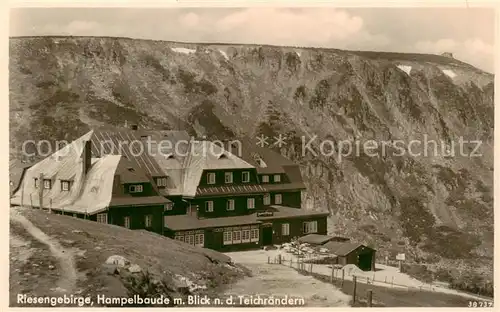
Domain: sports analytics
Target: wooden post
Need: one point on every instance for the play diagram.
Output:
(370, 293)
(353, 288)
(311, 268)
(41, 185)
(22, 192)
(279, 259)
(268, 260)
(343, 276)
(331, 277)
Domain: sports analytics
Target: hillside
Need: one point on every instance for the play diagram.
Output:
(437, 208)
(69, 256)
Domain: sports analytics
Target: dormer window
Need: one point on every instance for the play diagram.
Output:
(65, 185)
(265, 179)
(135, 188)
(245, 177)
(277, 178)
(47, 184)
(211, 178)
(228, 177)
(161, 182)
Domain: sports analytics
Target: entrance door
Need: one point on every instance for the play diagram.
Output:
(365, 261)
(267, 236)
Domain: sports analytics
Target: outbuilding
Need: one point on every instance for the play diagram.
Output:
(353, 253)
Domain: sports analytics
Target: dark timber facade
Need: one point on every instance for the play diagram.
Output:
(202, 194)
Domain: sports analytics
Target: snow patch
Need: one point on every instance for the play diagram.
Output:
(183, 50)
(405, 68)
(449, 73)
(224, 54)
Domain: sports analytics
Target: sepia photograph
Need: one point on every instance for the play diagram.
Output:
(251, 156)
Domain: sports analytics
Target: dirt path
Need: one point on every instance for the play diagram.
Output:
(280, 281)
(67, 281)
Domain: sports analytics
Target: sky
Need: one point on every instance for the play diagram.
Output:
(466, 32)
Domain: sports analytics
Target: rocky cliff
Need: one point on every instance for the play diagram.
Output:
(433, 202)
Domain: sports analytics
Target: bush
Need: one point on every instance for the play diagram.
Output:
(473, 283)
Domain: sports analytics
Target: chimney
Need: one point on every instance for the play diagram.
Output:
(87, 156)
(134, 127)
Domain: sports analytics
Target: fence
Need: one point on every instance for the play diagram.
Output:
(338, 277)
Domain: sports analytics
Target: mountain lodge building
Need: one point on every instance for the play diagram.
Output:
(198, 192)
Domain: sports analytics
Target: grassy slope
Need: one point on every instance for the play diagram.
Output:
(161, 256)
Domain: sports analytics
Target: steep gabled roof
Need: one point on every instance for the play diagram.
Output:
(88, 194)
(274, 161)
(127, 143)
(204, 155)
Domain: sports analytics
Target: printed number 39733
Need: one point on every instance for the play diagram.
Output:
(480, 304)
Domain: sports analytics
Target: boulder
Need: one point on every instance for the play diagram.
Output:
(134, 268)
(117, 260)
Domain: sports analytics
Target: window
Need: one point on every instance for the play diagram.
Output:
(211, 178)
(265, 179)
(245, 177)
(36, 182)
(209, 206)
(47, 184)
(168, 206)
(126, 222)
(236, 237)
(228, 177)
(310, 227)
(102, 218)
(277, 199)
(228, 238)
(245, 236)
(161, 182)
(190, 239)
(65, 185)
(199, 240)
(179, 238)
(254, 235)
(230, 204)
(285, 229)
(277, 178)
(250, 203)
(148, 221)
(135, 188)
(267, 199)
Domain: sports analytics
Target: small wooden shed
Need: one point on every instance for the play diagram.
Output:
(353, 253)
